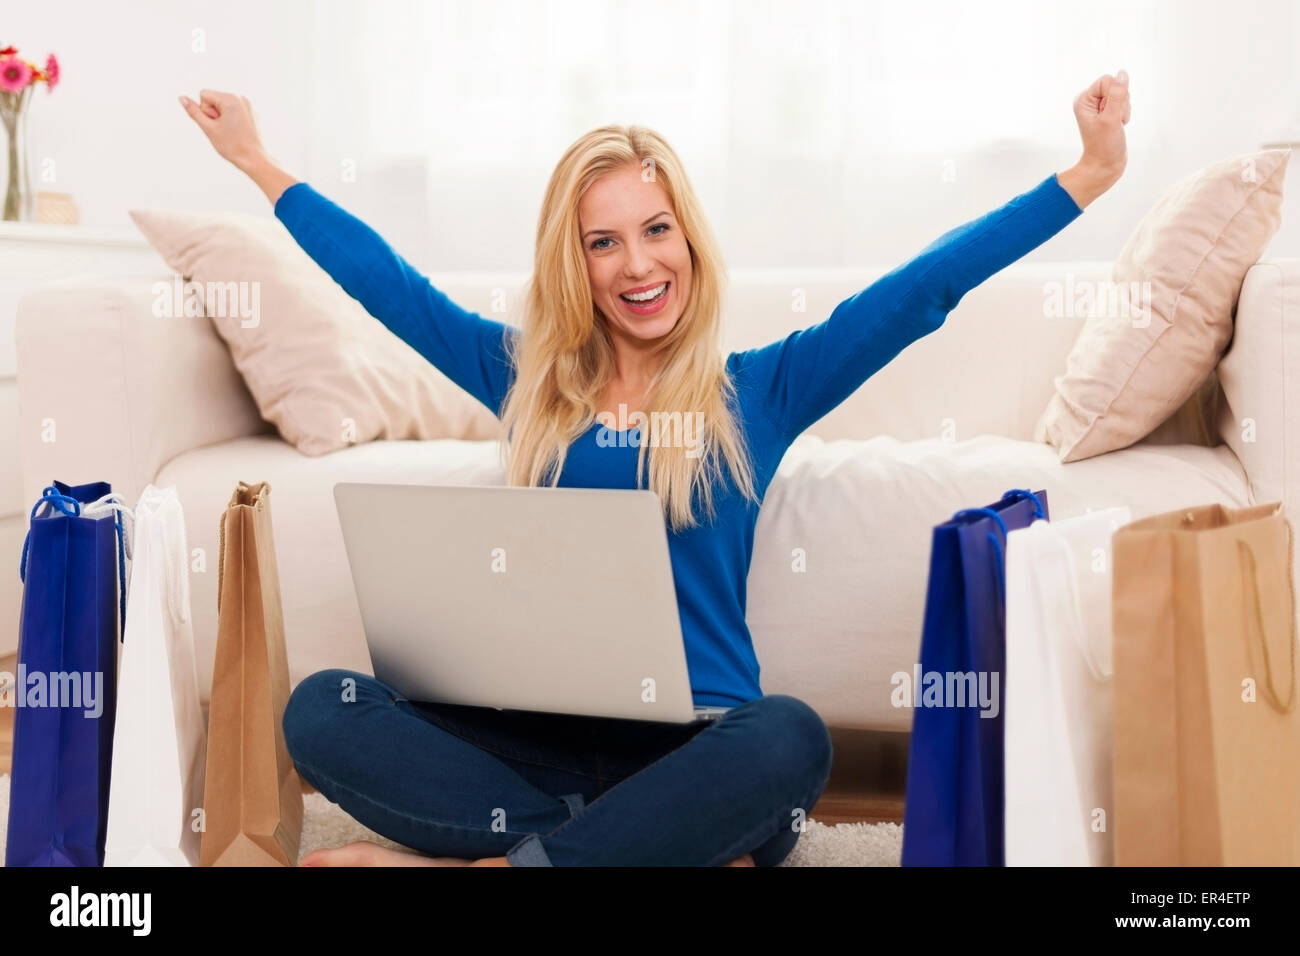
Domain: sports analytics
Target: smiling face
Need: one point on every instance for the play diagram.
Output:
(635, 250)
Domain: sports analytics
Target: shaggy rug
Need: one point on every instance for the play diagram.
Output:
(845, 844)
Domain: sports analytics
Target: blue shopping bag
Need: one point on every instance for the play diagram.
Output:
(953, 815)
(74, 592)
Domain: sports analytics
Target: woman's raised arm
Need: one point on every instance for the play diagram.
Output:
(800, 378)
(464, 346)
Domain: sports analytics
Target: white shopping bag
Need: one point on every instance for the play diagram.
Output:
(1058, 684)
(159, 741)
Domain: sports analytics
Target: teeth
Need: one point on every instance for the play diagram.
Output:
(647, 296)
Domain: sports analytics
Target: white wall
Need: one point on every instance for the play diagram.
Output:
(1213, 79)
(1219, 79)
(113, 126)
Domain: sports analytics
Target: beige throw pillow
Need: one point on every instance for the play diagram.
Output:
(1133, 368)
(324, 371)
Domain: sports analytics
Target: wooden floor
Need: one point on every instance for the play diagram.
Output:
(866, 785)
(8, 665)
(868, 778)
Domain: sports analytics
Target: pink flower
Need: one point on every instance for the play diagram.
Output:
(14, 74)
(51, 71)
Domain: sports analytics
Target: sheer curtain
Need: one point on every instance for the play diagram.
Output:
(817, 132)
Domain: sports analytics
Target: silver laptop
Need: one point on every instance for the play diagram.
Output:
(542, 599)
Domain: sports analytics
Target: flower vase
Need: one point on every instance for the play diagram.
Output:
(19, 197)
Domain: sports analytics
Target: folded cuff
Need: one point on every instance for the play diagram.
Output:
(529, 851)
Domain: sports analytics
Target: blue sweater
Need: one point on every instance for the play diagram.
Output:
(782, 388)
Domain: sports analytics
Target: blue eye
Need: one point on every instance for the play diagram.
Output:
(597, 244)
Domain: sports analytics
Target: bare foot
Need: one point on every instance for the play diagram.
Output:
(746, 860)
(365, 853)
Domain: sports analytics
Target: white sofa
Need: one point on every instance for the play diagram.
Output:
(947, 425)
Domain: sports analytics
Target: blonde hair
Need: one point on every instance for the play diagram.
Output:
(564, 358)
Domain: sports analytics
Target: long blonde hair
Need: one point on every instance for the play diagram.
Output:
(564, 358)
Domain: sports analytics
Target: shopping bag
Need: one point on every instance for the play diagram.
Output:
(953, 810)
(73, 568)
(1058, 691)
(252, 796)
(159, 743)
(1207, 729)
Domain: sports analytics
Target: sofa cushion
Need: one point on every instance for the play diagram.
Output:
(321, 368)
(864, 514)
(321, 618)
(863, 511)
(1134, 366)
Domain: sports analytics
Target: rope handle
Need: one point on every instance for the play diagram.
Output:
(221, 553)
(1243, 550)
(154, 500)
(52, 498)
(997, 546)
(103, 505)
(178, 591)
(1014, 494)
(1076, 613)
(1018, 493)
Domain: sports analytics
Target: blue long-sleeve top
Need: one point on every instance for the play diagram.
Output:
(781, 388)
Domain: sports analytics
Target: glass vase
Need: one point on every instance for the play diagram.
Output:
(20, 199)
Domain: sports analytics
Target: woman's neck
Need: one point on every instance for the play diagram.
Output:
(635, 366)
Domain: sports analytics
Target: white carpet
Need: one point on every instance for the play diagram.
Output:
(845, 844)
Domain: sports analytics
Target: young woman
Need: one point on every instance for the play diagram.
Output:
(624, 311)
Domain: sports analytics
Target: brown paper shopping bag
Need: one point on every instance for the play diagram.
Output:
(1207, 728)
(252, 798)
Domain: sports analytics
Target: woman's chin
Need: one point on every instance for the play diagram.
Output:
(648, 328)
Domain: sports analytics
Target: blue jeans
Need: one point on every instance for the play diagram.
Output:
(560, 789)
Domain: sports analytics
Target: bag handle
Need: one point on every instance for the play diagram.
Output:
(997, 548)
(1018, 493)
(176, 564)
(53, 499)
(1244, 549)
(221, 555)
(101, 506)
(178, 591)
(240, 491)
(1000, 560)
(1076, 614)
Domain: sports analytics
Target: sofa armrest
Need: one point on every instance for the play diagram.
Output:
(1259, 411)
(1259, 414)
(110, 391)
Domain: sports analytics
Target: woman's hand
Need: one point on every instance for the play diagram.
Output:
(228, 122)
(1101, 112)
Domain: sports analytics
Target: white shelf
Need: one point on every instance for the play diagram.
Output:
(121, 236)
